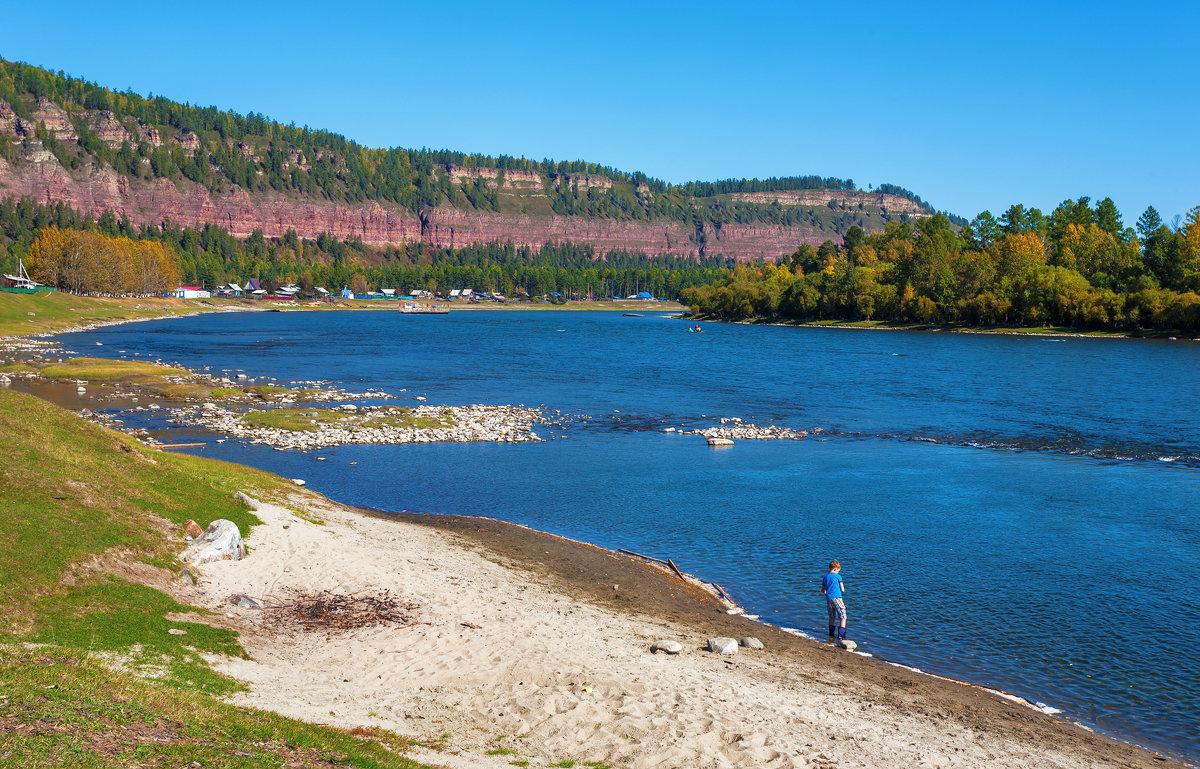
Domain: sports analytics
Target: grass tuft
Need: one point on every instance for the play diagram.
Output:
(105, 370)
(302, 419)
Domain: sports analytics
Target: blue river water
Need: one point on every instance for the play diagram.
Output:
(1045, 541)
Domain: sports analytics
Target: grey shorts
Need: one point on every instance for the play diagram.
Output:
(837, 610)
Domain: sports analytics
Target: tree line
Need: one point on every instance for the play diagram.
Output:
(1078, 266)
(79, 253)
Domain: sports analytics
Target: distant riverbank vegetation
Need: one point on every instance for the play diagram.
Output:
(1080, 266)
(149, 138)
(111, 256)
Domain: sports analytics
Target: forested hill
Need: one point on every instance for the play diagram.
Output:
(153, 159)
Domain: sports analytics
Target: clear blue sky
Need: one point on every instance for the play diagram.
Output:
(971, 105)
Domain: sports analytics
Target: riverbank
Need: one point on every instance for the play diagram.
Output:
(530, 647)
(872, 325)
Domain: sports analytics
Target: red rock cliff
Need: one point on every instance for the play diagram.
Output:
(37, 173)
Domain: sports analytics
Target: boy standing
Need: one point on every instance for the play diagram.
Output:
(834, 588)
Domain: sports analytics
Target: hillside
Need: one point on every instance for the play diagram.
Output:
(152, 159)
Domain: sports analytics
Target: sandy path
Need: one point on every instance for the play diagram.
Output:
(518, 680)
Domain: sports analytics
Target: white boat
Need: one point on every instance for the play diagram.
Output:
(412, 307)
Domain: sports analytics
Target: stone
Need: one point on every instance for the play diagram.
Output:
(847, 644)
(719, 442)
(250, 501)
(722, 645)
(750, 642)
(192, 529)
(31, 314)
(177, 631)
(185, 576)
(221, 541)
(243, 601)
(668, 647)
(298, 481)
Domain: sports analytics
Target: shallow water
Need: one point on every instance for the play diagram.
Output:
(1047, 544)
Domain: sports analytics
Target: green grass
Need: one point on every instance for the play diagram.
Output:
(564, 764)
(73, 490)
(64, 708)
(56, 311)
(301, 420)
(104, 370)
(14, 368)
(265, 391)
(519, 762)
(500, 752)
(182, 391)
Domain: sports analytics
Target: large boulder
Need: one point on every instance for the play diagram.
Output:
(723, 645)
(221, 541)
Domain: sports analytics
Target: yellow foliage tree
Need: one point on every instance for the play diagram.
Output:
(90, 263)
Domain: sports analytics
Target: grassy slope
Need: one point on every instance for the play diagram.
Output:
(56, 311)
(74, 492)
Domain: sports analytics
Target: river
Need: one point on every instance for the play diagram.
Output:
(1013, 511)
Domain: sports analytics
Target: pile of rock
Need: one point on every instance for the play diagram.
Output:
(752, 432)
(369, 425)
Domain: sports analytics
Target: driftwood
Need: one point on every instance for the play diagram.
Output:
(328, 611)
(675, 569)
(639, 555)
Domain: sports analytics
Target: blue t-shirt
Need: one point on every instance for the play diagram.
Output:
(833, 585)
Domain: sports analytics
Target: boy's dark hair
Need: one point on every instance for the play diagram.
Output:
(834, 564)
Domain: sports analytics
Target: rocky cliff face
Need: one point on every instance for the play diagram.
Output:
(95, 190)
(35, 172)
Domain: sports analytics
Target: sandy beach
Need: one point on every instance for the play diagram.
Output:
(529, 647)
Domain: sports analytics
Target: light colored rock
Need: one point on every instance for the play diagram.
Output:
(221, 541)
(668, 647)
(750, 642)
(243, 601)
(250, 501)
(298, 481)
(177, 631)
(722, 645)
(719, 442)
(847, 644)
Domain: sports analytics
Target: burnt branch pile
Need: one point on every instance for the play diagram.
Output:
(327, 611)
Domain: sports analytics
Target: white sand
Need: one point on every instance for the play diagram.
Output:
(518, 681)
